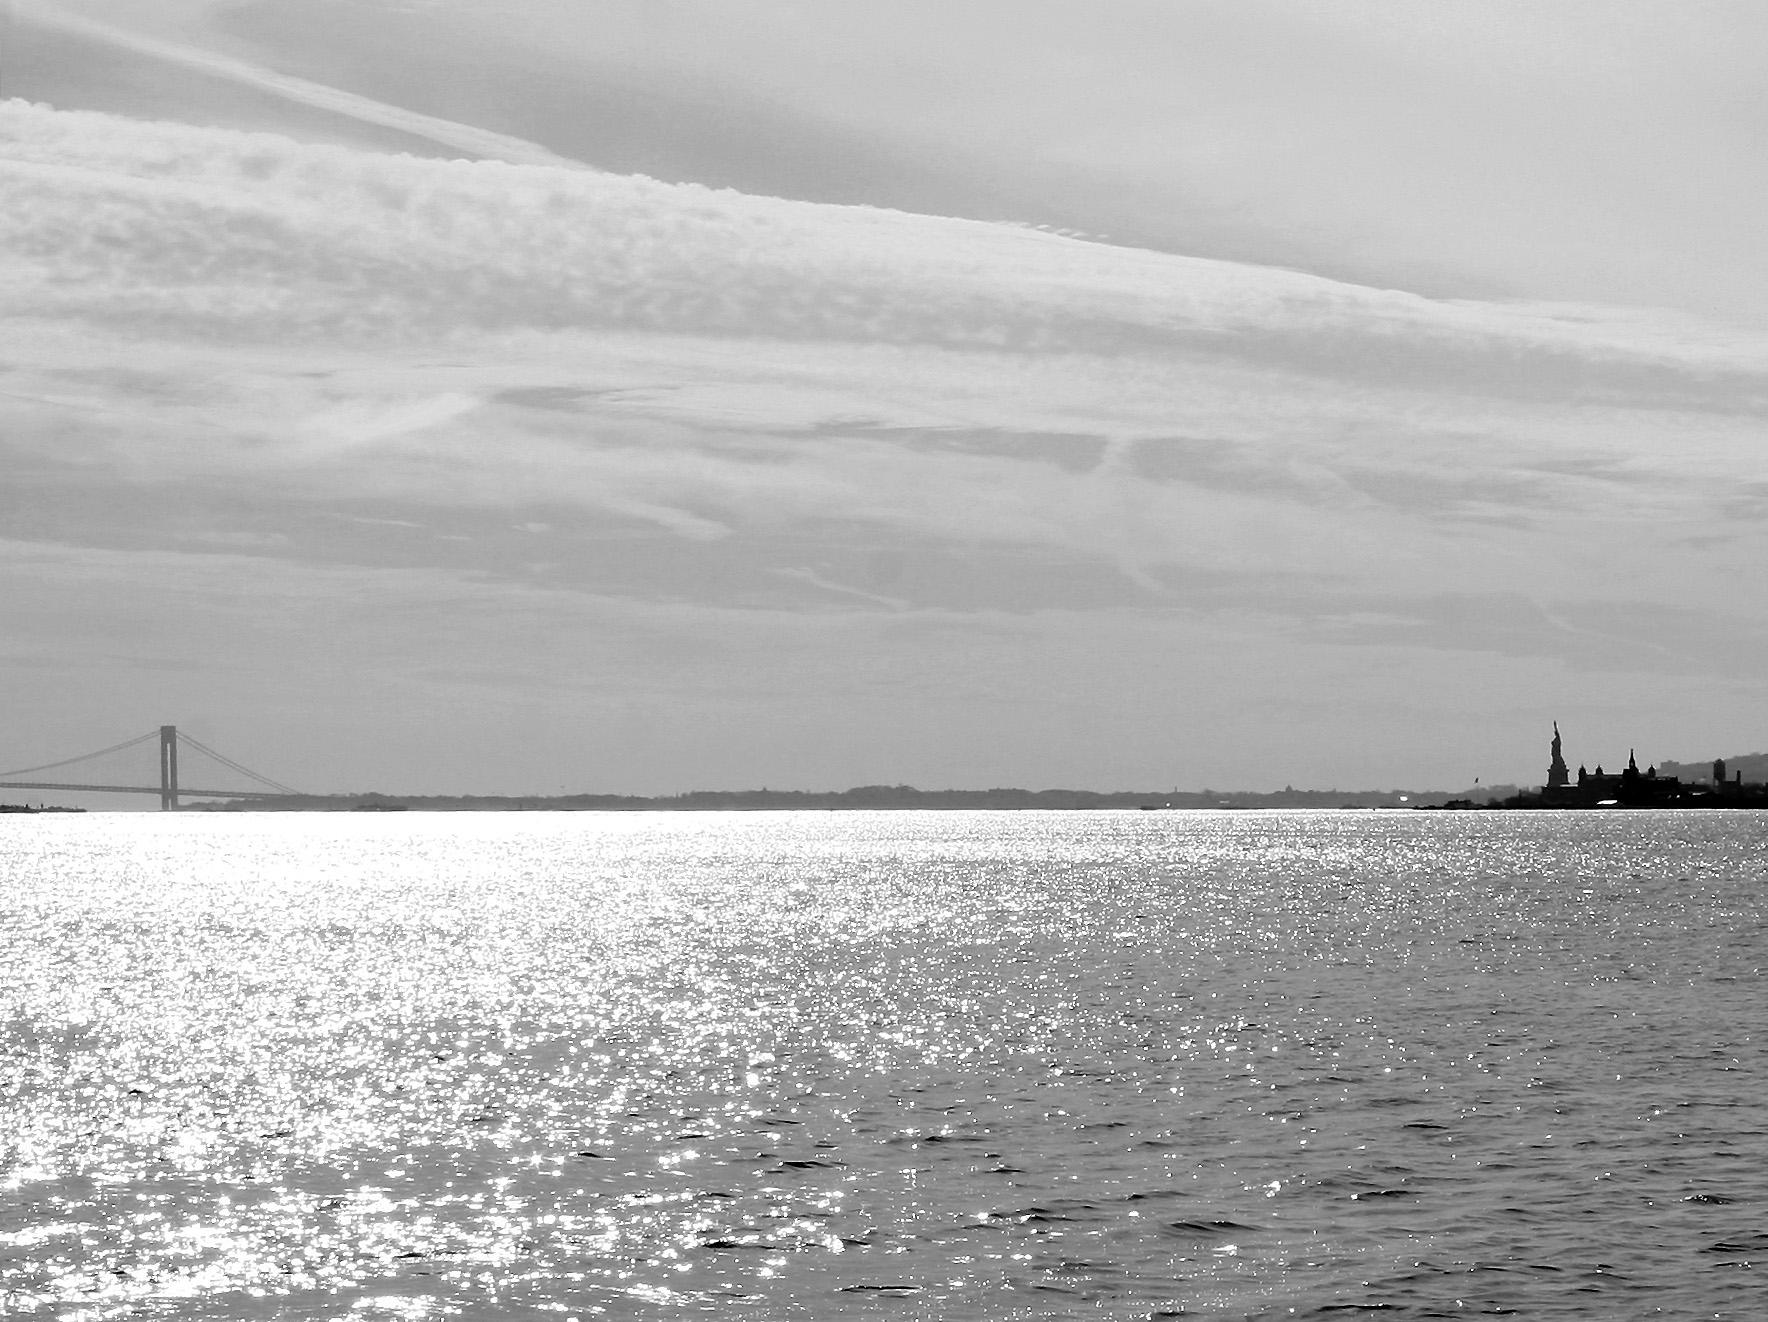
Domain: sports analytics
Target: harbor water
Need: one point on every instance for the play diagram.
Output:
(883, 1065)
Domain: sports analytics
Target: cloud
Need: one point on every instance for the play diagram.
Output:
(359, 422)
(1460, 147)
(187, 230)
(735, 367)
(234, 359)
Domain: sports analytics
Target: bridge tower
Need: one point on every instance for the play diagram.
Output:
(168, 768)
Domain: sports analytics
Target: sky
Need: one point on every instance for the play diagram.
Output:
(650, 395)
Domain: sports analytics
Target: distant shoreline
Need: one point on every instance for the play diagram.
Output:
(907, 799)
(1501, 799)
(871, 798)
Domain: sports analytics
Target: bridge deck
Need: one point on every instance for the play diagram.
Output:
(183, 791)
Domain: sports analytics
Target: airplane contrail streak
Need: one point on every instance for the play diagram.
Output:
(447, 133)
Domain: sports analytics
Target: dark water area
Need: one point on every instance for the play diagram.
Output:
(895, 1065)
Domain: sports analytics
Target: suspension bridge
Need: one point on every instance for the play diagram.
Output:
(168, 789)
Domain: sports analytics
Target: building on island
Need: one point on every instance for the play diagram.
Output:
(1633, 788)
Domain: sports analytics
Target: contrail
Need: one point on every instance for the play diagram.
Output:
(445, 132)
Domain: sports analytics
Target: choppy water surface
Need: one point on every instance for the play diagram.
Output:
(883, 1065)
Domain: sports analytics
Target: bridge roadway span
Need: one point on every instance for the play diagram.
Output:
(182, 791)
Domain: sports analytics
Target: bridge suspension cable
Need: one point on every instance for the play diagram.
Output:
(226, 761)
(83, 757)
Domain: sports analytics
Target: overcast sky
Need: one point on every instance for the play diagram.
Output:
(645, 395)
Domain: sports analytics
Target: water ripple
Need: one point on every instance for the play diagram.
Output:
(907, 1065)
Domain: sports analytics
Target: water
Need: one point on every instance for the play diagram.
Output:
(909, 1065)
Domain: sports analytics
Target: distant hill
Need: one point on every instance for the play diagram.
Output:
(865, 797)
(1753, 765)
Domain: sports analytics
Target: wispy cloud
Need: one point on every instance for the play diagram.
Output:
(739, 415)
(260, 235)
